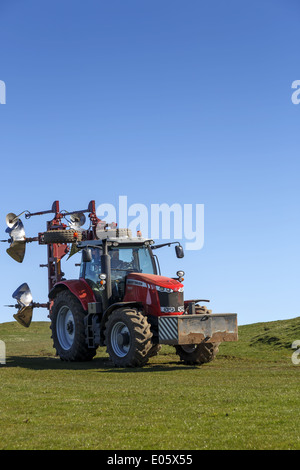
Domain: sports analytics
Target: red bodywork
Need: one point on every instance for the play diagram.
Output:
(56, 251)
(81, 290)
(142, 288)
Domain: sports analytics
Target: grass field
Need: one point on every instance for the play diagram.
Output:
(248, 398)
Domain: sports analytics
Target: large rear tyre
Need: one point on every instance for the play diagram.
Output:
(128, 338)
(197, 353)
(68, 329)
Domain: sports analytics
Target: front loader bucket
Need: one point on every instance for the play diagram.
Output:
(194, 329)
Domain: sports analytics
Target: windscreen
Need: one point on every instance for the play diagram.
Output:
(131, 259)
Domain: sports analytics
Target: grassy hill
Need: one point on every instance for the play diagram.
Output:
(247, 398)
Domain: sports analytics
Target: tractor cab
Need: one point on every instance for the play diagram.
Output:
(125, 258)
(114, 267)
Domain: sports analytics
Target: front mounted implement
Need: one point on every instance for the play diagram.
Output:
(193, 329)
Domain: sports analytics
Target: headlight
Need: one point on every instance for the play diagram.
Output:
(167, 309)
(180, 273)
(164, 289)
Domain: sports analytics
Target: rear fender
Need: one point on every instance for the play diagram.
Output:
(79, 288)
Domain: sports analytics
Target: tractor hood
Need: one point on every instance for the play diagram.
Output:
(149, 280)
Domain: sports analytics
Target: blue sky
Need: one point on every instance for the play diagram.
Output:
(164, 102)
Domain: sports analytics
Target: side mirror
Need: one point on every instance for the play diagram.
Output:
(86, 255)
(179, 251)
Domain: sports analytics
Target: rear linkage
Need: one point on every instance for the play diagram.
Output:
(58, 237)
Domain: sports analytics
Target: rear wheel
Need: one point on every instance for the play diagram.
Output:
(68, 329)
(128, 338)
(197, 353)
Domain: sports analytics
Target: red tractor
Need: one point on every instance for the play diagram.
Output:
(120, 300)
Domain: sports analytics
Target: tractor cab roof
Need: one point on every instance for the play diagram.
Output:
(115, 237)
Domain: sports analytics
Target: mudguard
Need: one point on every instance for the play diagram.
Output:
(79, 287)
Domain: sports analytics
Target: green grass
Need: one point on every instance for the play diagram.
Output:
(248, 398)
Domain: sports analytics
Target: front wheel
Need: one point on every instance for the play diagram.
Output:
(68, 329)
(128, 338)
(197, 353)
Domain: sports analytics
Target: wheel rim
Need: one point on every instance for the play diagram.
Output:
(120, 339)
(65, 327)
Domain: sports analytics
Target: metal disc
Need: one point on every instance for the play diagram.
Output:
(11, 219)
(77, 220)
(17, 250)
(73, 251)
(17, 232)
(24, 316)
(23, 295)
(17, 247)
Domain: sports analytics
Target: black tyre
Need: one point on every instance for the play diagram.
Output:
(128, 338)
(202, 310)
(68, 329)
(62, 236)
(197, 353)
(154, 350)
